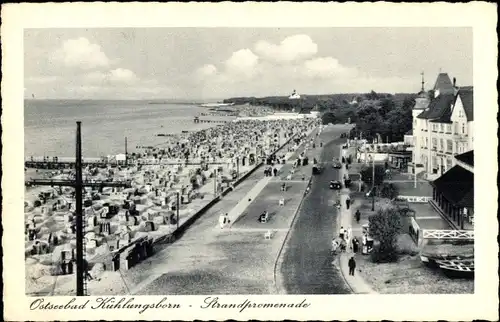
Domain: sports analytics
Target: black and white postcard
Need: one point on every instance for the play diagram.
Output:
(265, 161)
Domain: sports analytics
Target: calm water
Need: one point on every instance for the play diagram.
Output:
(50, 125)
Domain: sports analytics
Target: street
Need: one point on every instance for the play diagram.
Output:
(307, 264)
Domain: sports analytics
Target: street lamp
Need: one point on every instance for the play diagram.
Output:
(178, 206)
(373, 183)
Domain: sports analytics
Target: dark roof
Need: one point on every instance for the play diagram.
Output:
(439, 108)
(457, 186)
(467, 96)
(467, 157)
(443, 83)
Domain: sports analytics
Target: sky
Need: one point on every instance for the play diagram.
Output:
(218, 63)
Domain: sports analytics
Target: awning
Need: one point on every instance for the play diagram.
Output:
(457, 186)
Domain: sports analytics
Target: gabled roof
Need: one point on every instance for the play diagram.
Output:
(467, 96)
(467, 157)
(457, 186)
(443, 83)
(439, 108)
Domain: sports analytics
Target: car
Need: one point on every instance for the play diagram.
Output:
(317, 169)
(337, 165)
(336, 185)
(343, 135)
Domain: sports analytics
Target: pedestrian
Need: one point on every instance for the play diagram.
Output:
(334, 245)
(358, 216)
(275, 171)
(63, 267)
(342, 232)
(352, 266)
(355, 245)
(347, 202)
(223, 220)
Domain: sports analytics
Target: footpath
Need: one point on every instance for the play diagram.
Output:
(356, 282)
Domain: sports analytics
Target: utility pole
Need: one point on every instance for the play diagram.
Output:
(215, 182)
(78, 185)
(80, 277)
(415, 176)
(178, 206)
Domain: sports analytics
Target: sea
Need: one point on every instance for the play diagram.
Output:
(50, 125)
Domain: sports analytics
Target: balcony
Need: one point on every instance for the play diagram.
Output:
(460, 137)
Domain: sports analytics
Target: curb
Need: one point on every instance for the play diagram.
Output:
(279, 258)
(339, 267)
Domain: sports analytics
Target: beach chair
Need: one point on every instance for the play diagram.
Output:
(282, 202)
(268, 234)
(289, 177)
(264, 218)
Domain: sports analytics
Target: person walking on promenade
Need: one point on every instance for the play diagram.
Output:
(347, 202)
(335, 245)
(352, 266)
(358, 216)
(223, 220)
(355, 245)
(342, 232)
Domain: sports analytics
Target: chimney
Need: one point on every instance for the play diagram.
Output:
(454, 82)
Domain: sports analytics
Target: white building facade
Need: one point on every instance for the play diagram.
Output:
(443, 126)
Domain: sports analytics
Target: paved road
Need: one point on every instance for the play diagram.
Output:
(307, 267)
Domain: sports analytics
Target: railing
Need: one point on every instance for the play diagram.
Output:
(448, 234)
(460, 136)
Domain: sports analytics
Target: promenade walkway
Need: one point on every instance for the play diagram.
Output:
(356, 282)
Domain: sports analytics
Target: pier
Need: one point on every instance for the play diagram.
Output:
(69, 162)
(66, 162)
(86, 183)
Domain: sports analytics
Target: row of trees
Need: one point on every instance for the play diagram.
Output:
(387, 117)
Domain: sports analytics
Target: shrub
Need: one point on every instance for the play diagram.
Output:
(37, 203)
(388, 190)
(385, 226)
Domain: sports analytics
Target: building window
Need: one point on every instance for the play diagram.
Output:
(448, 128)
(434, 143)
(449, 163)
(426, 142)
(441, 127)
(441, 144)
(463, 128)
(456, 128)
(449, 146)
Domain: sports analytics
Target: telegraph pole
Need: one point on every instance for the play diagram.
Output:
(126, 152)
(373, 183)
(79, 214)
(78, 184)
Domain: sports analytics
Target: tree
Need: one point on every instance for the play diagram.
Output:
(388, 190)
(372, 95)
(384, 227)
(386, 105)
(366, 174)
(328, 118)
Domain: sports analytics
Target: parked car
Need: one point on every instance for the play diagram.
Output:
(336, 185)
(343, 135)
(337, 165)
